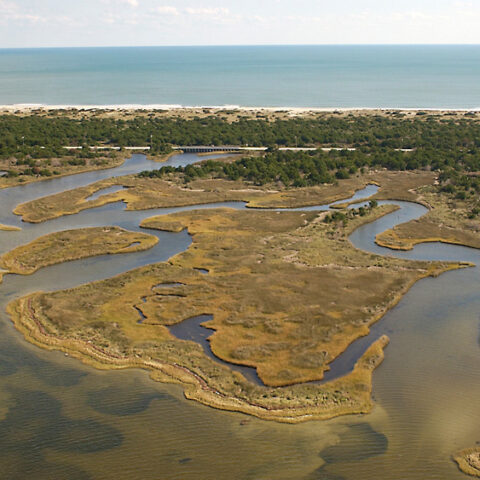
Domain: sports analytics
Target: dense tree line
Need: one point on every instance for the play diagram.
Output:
(462, 186)
(450, 144)
(300, 169)
(45, 136)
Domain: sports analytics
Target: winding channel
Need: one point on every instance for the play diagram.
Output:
(97, 268)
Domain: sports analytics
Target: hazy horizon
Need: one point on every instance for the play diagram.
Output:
(101, 23)
(253, 45)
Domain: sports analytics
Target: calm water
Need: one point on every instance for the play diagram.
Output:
(301, 76)
(59, 419)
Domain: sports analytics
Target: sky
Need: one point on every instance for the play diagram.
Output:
(77, 23)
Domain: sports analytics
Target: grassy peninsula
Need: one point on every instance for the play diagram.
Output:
(69, 245)
(449, 220)
(9, 228)
(143, 192)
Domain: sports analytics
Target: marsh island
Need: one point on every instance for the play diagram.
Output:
(270, 268)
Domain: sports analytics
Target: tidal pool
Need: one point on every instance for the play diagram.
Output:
(61, 419)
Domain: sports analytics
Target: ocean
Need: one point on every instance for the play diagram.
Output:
(443, 77)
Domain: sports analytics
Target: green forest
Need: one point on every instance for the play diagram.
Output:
(300, 169)
(440, 142)
(28, 133)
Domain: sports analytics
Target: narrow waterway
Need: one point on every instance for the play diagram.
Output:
(60, 419)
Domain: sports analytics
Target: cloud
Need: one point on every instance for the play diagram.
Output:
(11, 12)
(208, 12)
(167, 10)
(7, 7)
(28, 18)
(217, 15)
(461, 4)
(260, 19)
(132, 3)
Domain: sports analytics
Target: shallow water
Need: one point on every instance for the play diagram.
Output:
(61, 419)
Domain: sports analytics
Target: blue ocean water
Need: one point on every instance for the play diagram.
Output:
(293, 76)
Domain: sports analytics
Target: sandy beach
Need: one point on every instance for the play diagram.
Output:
(230, 112)
(26, 107)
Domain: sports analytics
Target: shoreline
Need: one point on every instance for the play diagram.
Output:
(195, 386)
(14, 261)
(31, 107)
(161, 158)
(65, 174)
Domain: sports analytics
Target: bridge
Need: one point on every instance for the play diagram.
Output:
(229, 148)
(237, 148)
(210, 149)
